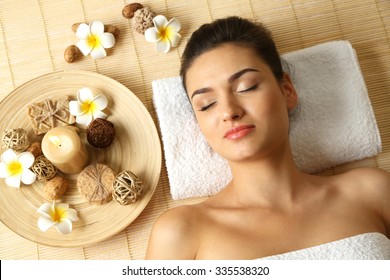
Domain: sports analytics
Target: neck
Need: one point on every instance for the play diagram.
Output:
(273, 180)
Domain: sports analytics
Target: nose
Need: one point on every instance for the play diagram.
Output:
(231, 109)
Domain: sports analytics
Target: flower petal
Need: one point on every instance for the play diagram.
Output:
(100, 101)
(45, 223)
(75, 108)
(98, 52)
(64, 227)
(9, 156)
(107, 40)
(84, 47)
(85, 95)
(45, 209)
(174, 24)
(26, 159)
(82, 31)
(163, 46)
(160, 22)
(174, 39)
(96, 27)
(28, 177)
(3, 170)
(13, 181)
(152, 35)
(84, 119)
(72, 215)
(99, 114)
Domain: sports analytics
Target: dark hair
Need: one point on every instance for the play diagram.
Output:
(233, 30)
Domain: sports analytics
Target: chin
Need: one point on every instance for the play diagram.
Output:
(241, 155)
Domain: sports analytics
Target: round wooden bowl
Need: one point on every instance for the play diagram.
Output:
(136, 148)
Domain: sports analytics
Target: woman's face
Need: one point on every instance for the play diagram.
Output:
(241, 108)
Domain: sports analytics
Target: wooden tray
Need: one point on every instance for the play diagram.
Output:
(136, 148)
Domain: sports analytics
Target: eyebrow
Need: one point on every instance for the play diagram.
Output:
(231, 79)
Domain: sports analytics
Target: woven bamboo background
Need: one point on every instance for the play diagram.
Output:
(35, 33)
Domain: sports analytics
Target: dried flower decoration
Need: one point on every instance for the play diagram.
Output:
(58, 215)
(143, 19)
(88, 107)
(93, 40)
(15, 168)
(164, 33)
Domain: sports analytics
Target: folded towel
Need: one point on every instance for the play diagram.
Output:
(366, 246)
(334, 123)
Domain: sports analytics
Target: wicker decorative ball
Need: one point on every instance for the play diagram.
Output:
(16, 139)
(43, 168)
(127, 188)
(100, 133)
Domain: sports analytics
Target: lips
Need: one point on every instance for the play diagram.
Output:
(238, 132)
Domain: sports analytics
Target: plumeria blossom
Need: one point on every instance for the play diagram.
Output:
(88, 107)
(93, 39)
(15, 168)
(58, 215)
(164, 33)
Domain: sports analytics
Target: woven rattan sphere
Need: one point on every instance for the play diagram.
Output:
(16, 139)
(43, 168)
(127, 188)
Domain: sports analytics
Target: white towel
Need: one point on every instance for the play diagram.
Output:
(366, 246)
(335, 122)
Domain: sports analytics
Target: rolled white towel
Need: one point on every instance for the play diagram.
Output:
(365, 246)
(333, 124)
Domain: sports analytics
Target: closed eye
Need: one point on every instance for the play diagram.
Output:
(204, 108)
(248, 89)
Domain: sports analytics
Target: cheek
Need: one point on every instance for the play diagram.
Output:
(263, 108)
(207, 125)
(270, 111)
(209, 128)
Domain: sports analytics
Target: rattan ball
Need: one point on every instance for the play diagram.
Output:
(16, 139)
(127, 188)
(100, 133)
(43, 168)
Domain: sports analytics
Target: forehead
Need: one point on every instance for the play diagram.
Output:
(220, 63)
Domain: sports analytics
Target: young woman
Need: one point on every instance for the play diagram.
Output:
(241, 97)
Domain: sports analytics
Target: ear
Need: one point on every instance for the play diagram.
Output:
(289, 92)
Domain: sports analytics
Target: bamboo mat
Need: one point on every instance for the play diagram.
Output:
(34, 35)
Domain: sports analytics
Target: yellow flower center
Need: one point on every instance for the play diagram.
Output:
(93, 41)
(165, 33)
(15, 168)
(58, 214)
(88, 107)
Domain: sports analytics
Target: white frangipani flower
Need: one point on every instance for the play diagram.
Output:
(164, 33)
(58, 215)
(15, 168)
(93, 39)
(88, 107)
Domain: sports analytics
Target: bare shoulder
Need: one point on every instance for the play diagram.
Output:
(368, 180)
(371, 187)
(174, 234)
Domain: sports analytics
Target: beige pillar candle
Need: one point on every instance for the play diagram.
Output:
(62, 146)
